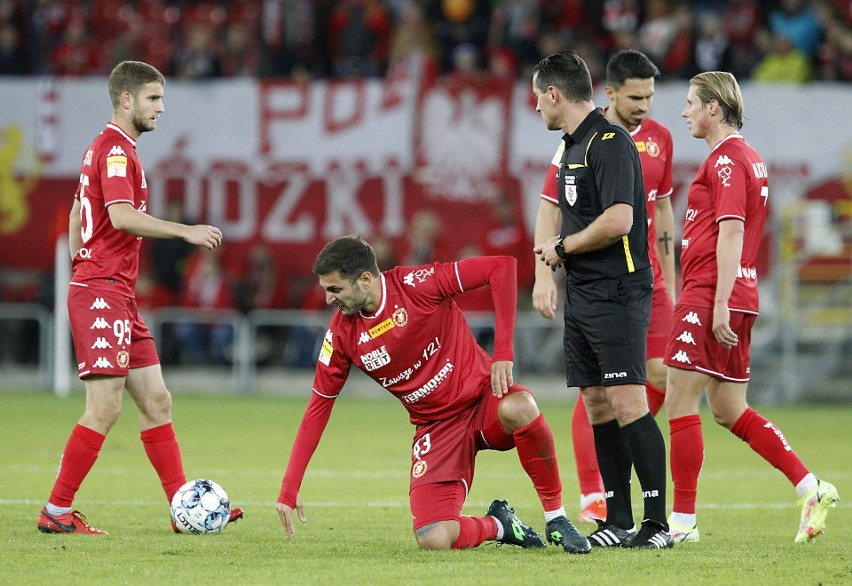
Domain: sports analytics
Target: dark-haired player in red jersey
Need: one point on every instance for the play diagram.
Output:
(709, 347)
(630, 89)
(403, 329)
(115, 350)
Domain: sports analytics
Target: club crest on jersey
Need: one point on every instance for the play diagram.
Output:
(420, 274)
(400, 317)
(419, 469)
(122, 358)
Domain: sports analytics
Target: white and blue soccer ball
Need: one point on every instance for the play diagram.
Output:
(200, 506)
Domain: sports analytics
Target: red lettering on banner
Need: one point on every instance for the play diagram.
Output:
(273, 95)
(353, 94)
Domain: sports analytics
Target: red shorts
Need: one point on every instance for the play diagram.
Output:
(693, 346)
(660, 329)
(443, 455)
(110, 337)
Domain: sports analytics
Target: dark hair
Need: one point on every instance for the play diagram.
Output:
(629, 64)
(351, 256)
(130, 76)
(568, 73)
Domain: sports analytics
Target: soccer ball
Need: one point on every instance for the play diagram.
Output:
(200, 506)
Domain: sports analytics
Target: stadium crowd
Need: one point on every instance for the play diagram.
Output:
(788, 40)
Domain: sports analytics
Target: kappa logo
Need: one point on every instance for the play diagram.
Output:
(686, 338)
(723, 160)
(364, 338)
(100, 324)
(116, 150)
(102, 362)
(101, 344)
(99, 303)
(420, 274)
(692, 318)
(681, 357)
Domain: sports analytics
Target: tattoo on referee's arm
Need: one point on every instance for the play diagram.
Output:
(665, 238)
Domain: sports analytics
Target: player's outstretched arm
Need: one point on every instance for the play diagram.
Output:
(286, 514)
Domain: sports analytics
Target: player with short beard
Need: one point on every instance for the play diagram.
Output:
(115, 351)
(403, 329)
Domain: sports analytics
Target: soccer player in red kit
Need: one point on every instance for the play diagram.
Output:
(630, 89)
(403, 329)
(115, 350)
(709, 347)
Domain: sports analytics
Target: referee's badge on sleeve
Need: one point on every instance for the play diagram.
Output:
(571, 194)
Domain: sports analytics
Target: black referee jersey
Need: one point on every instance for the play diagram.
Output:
(600, 166)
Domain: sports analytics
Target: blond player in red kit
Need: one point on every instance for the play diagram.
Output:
(709, 348)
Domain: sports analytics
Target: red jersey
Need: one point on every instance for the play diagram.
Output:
(417, 345)
(654, 143)
(111, 173)
(731, 184)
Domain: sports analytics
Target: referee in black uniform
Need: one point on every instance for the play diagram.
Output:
(603, 244)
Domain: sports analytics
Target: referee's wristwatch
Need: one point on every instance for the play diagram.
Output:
(560, 250)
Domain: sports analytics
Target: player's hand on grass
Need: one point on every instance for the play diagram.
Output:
(501, 377)
(286, 514)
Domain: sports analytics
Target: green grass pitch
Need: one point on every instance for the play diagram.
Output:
(356, 498)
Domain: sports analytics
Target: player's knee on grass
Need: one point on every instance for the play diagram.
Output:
(439, 536)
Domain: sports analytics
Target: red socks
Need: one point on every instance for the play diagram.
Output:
(686, 456)
(537, 453)
(164, 453)
(79, 456)
(474, 531)
(584, 450)
(768, 441)
(656, 398)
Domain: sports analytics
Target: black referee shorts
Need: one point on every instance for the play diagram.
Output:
(606, 329)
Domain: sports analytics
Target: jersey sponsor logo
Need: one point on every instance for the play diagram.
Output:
(117, 166)
(613, 375)
(364, 338)
(430, 386)
(686, 338)
(122, 358)
(327, 349)
(608, 135)
(746, 273)
(376, 358)
(681, 357)
(102, 362)
(99, 303)
(648, 146)
(400, 317)
(381, 328)
(101, 344)
(420, 274)
(692, 318)
(99, 324)
(760, 170)
(419, 469)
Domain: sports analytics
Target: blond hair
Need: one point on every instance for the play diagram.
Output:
(722, 87)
